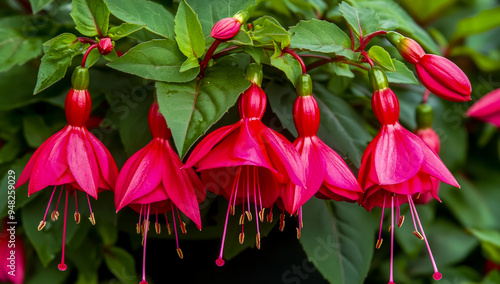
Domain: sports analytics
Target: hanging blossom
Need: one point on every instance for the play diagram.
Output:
(487, 108)
(73, 158)
(327, 175)
(152, 183)
(438, 74)
(247, 162)
(425, 132)
(397, 165)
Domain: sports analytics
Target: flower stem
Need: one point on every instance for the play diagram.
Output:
(209, 54)
(297, 57)
(368, 38)
(87, 54)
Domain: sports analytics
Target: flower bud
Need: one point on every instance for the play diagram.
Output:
(77, 107)
(443, 78)
(306, 115)
(252, 103)
(407, 47)
(385, 106)
(105, 46)
(225, 28)
(157, 123)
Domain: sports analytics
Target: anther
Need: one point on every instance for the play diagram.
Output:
(261, 214)
(379, 243)
(169, 229)
(157, 228)
(390, 227)
(179, 252)
(138, 228)
(282, 222)
(231, 209)
(401, 221)
(92, 218)
(418, 235)
(77, 217)
(298, 233)
(257, 240)
(270, 217)
(242, 219)
(54, 216)
(41, 226)
(249, 215)
(183, 228)
(241, 237)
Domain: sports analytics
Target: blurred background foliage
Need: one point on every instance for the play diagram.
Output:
(337, 244)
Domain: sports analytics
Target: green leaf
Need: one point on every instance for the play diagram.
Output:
(487, 63)
(190, 63)
(267, 30)
(123, 30)
(199, 103)
(402, 74)
(59, 53)
(479, 23)
(426, 10)
(142, 12)
(91, 17)
(391, 16)
(382, 57)
(340, 126)
(188, 32)
(37, 5)
(35, 130)
(209, 12)
(338, 239)
(159, 60)
(16, 49)
(363, 21)
(121, 263)
(289, 65)
(241, 38)
(490, 243)
(321, 36)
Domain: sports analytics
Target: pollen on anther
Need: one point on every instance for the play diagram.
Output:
(183, 228)
(242, 219)
(249, 215)
(418, 235)
(179, 252)
(388, 230)
(54, 215)
(298, 233)
(157, 228)
(379, 243)
(241, 238)
(401, 221)
(270, 217)
(138, 228)
(41, 226)
(92, 218)
(261, 214)
(77, 217)
(232, 209)
(257, 240)
(169, 229)
(282, 222)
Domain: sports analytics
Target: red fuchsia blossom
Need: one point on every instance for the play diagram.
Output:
(152, 182)
(13, 256)
(438, 74)
(487, 108)
(247, 161)
(105, 46)
(425, 132)
(73, 157)
(397, 165)
(326, 172)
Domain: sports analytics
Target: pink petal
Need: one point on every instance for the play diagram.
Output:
(284, 156)
(367, 165)
(158, 194)
(178, 187)
(82, 162)
(338, 176)
(206, 145)
(107, 165)
(51, 162)
(397, 157)
(144, 175)
(487, 108)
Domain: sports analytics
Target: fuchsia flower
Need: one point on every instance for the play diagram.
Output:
(326, 172)
(487, 108)
(397, 164)
(12, 265)
(152, 182)
(247, 161)
(438, 74)
(73, 157)
(105, 46)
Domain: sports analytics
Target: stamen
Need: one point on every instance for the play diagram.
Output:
(62, 266)
(179, 253)
(242, 219)
(220, 261)
(157, 224)
(181, 223)
(298, 233)
(42, 223)
(175, 231)
(248, 213)
(256, 210)
(416, 232)
(262, 209)
(241, 237)
(437, 275)
(391, 278)
(91, 218)
(55, 214)
(144, 248)
(232, 209)
(257, 240)
(270, 216)
(401, 220)
(282, 221)
(77, 214)
(139, 225)
(380, 240)
(168, 225)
